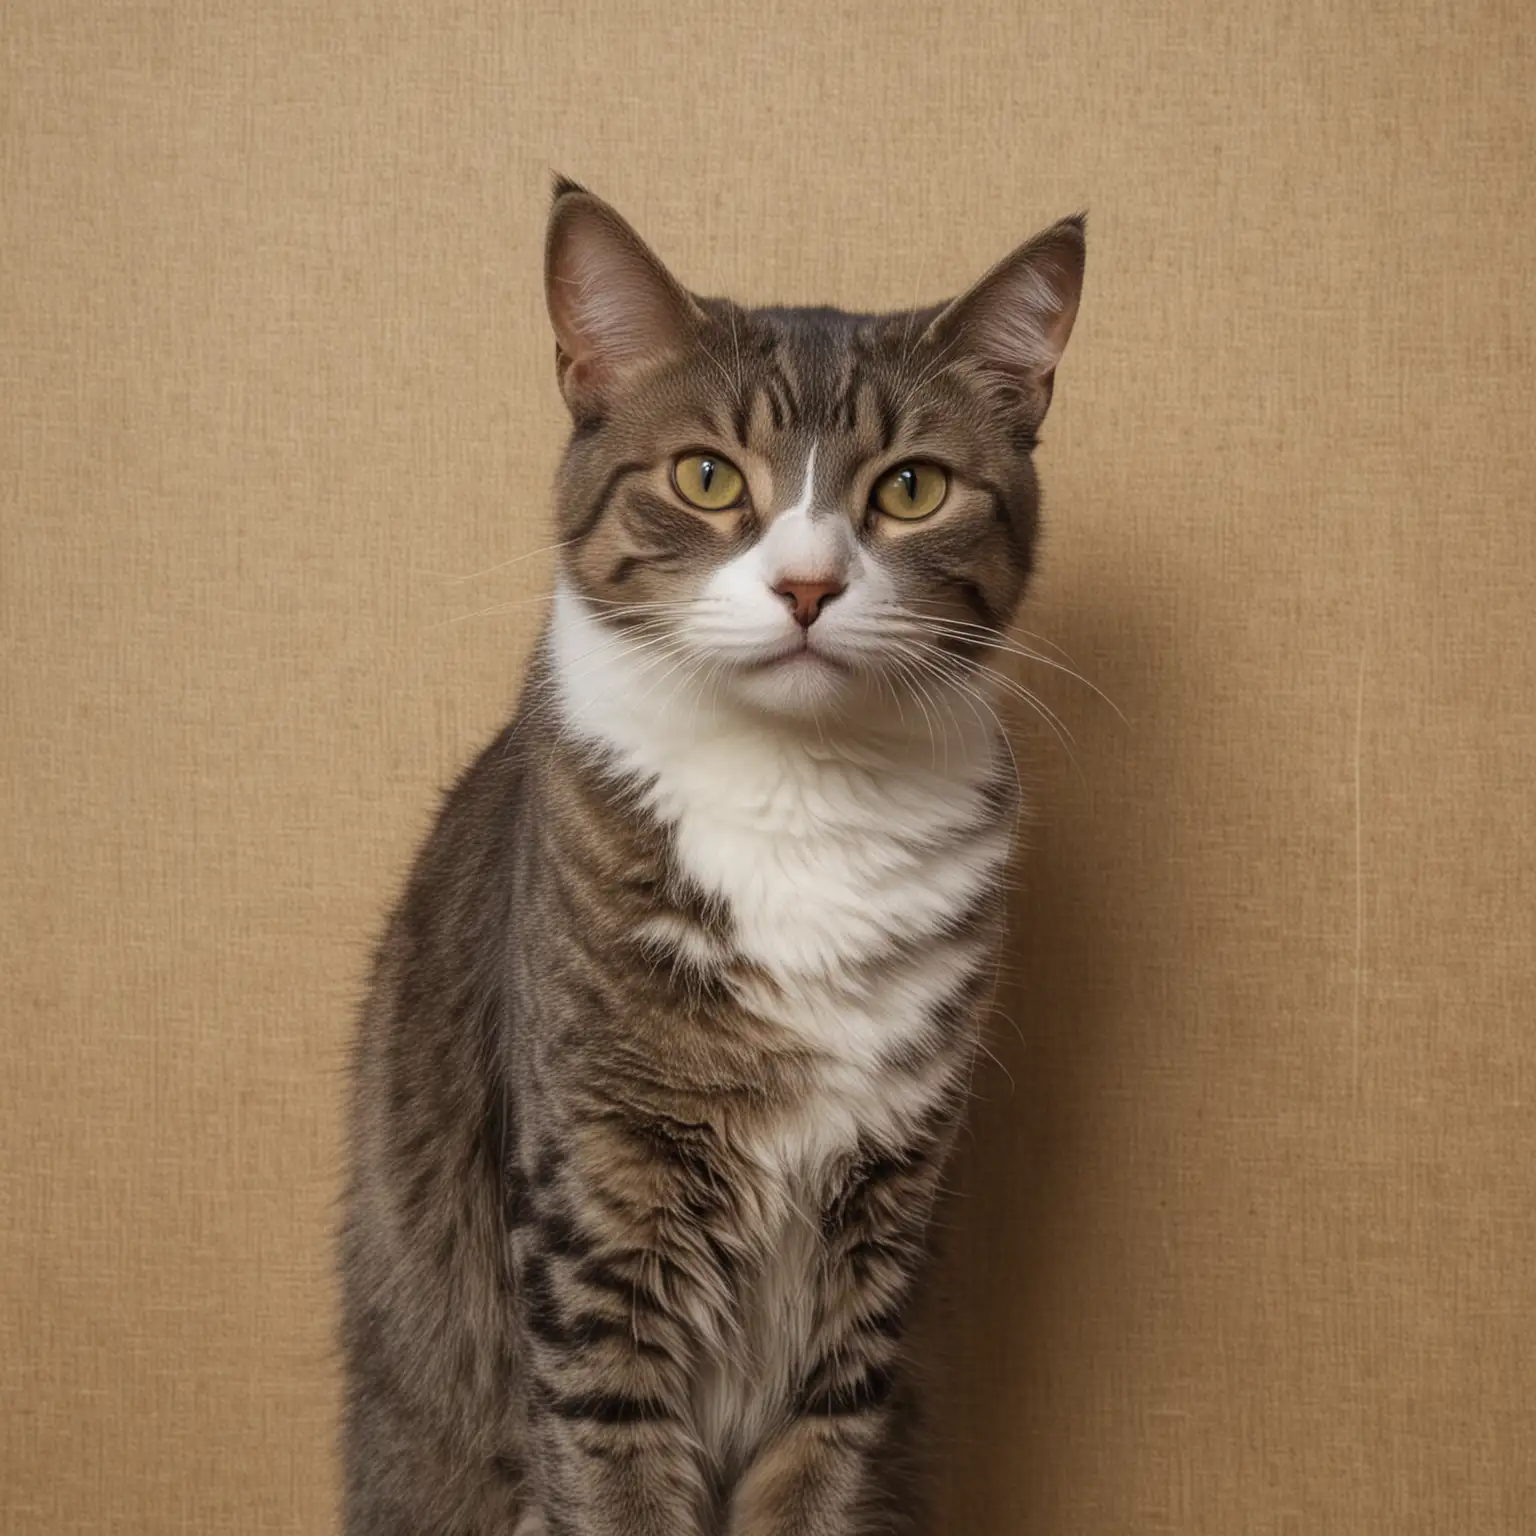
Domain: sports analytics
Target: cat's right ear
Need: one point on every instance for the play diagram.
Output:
(615, 308)
(1015, 323)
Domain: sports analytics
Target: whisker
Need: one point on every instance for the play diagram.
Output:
(980, 634)
(1001, 631)
(1040, 707)
(531, 554)
(613, 609)
(920, 694)
(927, 373)
(996, 642)
(687, 654)
(495, 610)
(977, 702)
(720, 367)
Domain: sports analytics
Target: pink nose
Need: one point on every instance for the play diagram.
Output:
(806, 599)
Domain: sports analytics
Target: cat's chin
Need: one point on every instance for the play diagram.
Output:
(802, 686)
(832, 697)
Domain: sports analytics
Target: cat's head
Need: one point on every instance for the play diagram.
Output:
(815, 511)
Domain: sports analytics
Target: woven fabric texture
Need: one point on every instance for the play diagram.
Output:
(1249, 1236)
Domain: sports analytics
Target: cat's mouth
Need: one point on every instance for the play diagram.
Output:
(794, 657)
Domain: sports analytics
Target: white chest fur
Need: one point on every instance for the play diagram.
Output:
(829, 857)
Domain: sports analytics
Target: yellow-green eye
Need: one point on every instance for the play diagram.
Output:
(911, 491)
(706, 480)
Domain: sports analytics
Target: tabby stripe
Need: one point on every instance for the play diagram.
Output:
(791, 401)
(548, 1164)
(886, 1325)
(595, 1328)
(741, 414)
(537, 1294)
(613, 1408)
(593, 514)
(604, 1275)
(895, 1251)
(562, 1236)
(774, 408)
(589, 1329)
(849, 409)
(885, 1166)
(1003, 514)
(863, 1394)
(975, 600)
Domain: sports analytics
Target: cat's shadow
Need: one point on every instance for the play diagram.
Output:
(1016, 1248)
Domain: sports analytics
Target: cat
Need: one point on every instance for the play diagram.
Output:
(669, 1036)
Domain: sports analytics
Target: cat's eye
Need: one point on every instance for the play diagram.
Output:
(707, 481)
(911, 491)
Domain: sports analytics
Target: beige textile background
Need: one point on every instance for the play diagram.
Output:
(1250, 1239)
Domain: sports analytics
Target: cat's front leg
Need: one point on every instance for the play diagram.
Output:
(810, 1480)
(604, 1476)
(816, 1475)
(611, 1287)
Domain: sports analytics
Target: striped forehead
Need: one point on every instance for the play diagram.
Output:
(812, 383)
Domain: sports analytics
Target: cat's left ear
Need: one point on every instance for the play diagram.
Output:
(1015, 323)
(615, 308)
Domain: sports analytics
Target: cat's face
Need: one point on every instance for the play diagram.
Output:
(818, 512)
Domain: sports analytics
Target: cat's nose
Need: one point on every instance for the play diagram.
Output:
(806, 599)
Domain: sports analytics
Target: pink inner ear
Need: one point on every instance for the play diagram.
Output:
(1058, 327)
(598, 305)
(1032, 317)
(613, 305)
(1019, 317)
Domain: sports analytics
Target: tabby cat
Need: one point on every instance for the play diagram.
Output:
(668, 1038)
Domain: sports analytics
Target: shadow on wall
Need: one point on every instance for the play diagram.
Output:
(1021, 1253)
